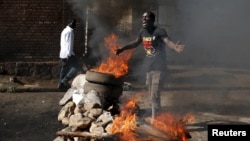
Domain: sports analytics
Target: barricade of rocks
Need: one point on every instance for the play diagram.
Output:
(83, 114)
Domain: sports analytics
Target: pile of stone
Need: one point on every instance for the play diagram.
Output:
(83, 114)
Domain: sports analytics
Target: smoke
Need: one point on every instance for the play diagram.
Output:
(214, 32)
(103, 16)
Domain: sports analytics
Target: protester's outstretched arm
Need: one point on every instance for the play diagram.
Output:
(174, 46)
(130, 45)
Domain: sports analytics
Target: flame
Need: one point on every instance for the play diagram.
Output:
(172, 125)
(124, 125)
(114, 64)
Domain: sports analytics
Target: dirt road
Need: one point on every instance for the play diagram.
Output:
(211, 95)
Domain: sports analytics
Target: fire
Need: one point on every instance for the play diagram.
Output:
(124, 125)
(172, 125)
(114, 64)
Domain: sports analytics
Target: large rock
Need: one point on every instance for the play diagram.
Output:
(79, 109)
(79, 81)
(79, 121)
(104, 119)
(67, 96)
(93, 97)
(96, 129)
(66, 111)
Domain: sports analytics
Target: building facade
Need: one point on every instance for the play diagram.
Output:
(30, 29)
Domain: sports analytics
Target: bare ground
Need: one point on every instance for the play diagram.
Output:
(211, 94)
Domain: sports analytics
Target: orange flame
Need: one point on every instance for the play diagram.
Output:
(124, 125)
(114, 64)
(172, 125)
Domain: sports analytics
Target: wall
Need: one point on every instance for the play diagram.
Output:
(30, 29)
(214, 32)
(30, 36)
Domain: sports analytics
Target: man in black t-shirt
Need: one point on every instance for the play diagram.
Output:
(154, 40)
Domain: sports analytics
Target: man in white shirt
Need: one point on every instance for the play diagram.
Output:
(68, 60)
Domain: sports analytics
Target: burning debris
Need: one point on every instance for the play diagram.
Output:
(85, 118)
(125, 123)
(91, 108)
(172, 125)
(90, 104)
(115, 65)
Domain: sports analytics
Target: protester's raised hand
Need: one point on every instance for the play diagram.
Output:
(178, 47)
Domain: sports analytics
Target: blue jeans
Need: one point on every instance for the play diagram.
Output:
(69, 69)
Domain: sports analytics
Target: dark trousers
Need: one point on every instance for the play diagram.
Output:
(69, 69)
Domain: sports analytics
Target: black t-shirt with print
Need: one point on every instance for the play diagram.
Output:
(155, 48)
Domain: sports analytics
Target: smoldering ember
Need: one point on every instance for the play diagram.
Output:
(92, 110)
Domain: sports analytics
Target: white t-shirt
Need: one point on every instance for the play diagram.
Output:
(67, 43)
